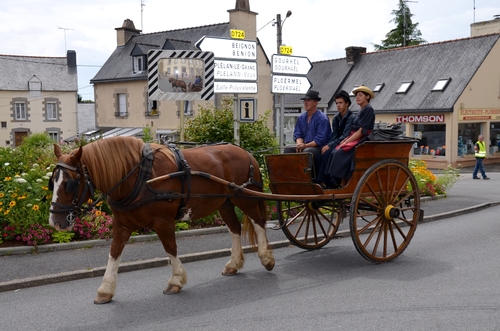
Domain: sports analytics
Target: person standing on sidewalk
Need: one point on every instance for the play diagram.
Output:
(480, 149)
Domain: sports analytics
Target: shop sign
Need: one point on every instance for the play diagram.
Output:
(479, 114)
(420, 118)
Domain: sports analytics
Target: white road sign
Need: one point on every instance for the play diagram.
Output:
(235, 70)
(295, 65)
(289, 84)
(229, 48)
(235, 87)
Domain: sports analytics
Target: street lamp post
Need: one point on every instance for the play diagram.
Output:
(279, 98)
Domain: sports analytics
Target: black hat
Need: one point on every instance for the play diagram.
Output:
(344, 95)
(311, 95)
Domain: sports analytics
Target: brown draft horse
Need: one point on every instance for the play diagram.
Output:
(118, 166)
(177, 83)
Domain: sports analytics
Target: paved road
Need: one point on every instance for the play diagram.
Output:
(447, 279)
(24, 270)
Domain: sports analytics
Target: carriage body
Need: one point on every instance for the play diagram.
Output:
(381, 198)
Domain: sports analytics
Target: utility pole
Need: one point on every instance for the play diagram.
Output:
(280, 97)
(65, 29)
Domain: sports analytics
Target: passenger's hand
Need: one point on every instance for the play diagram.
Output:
(324, 149)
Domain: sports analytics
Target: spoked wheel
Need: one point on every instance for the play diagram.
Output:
(309, 225)
(385, 209)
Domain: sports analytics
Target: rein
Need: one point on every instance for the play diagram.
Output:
(134, 199)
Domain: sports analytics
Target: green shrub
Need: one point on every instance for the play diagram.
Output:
(216, 125)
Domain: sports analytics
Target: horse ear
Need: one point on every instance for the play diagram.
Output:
(75, 158)
(57, 151)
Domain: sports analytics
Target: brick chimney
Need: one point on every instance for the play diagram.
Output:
(352, 54)
(126, 32)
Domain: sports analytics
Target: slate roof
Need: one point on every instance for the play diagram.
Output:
(425, 65)
(118, 67)
(326, 78)
(53, 72)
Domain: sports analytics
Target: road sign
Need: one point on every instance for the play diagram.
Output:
(235, 70)
(229, 48)
(289, 84)
(286, 50)
(295, 65)
(235, 87)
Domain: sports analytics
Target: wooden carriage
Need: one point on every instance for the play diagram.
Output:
(381, 199)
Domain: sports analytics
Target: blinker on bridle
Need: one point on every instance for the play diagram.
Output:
(72, 185)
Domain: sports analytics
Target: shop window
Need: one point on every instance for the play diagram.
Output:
(467, 137)
(495, 138)
(431, 139)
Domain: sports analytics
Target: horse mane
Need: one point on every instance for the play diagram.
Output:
(109, 160)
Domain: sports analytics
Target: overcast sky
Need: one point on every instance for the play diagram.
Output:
(317, 29)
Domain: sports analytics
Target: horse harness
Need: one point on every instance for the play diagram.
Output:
(141, 193)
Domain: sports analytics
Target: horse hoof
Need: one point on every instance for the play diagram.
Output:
(172, 289)
(102, 299)
(269, 266)
(229, 272)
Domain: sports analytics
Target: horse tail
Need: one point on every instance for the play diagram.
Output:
(248, 232)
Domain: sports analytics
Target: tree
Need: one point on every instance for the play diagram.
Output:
(406, 33)
(217, 125)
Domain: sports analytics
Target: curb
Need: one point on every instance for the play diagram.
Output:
(102, 242)
(161, 262)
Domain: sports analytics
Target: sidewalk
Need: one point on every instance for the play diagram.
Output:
(22, 269)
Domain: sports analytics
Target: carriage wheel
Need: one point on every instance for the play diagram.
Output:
(311, 224)
(385, 209)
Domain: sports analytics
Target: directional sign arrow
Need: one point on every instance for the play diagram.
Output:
(229, 48)
(295, 65)
(290, 84)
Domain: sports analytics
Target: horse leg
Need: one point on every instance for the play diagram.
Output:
(107, 289)
(166, 233)
(264, 252)
(237, 260)
(256, 214)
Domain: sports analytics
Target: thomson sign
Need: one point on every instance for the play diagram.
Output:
(420, 119)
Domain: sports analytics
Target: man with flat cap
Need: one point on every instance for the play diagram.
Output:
(341, 128)
(312, 130)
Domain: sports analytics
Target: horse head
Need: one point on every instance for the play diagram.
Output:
(71, 187)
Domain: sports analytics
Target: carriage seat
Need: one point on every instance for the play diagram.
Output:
(292, 174)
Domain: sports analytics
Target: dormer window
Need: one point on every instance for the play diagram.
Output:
(139, 63)
(404, 87)
(379, 87)
(441, 84)
(35, 84)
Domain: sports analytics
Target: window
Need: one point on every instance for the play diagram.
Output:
(152, 108)
(20, 111)
(51, 111)
(4, 125)
(431, 139)
(121, 104)
(138, 64)
(467, 137)
(355, 87)
(54, 135)
(441, 84)
(34, 84)
(379, 87)
(404, 87)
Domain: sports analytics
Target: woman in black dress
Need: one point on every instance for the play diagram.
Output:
(340, 164)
